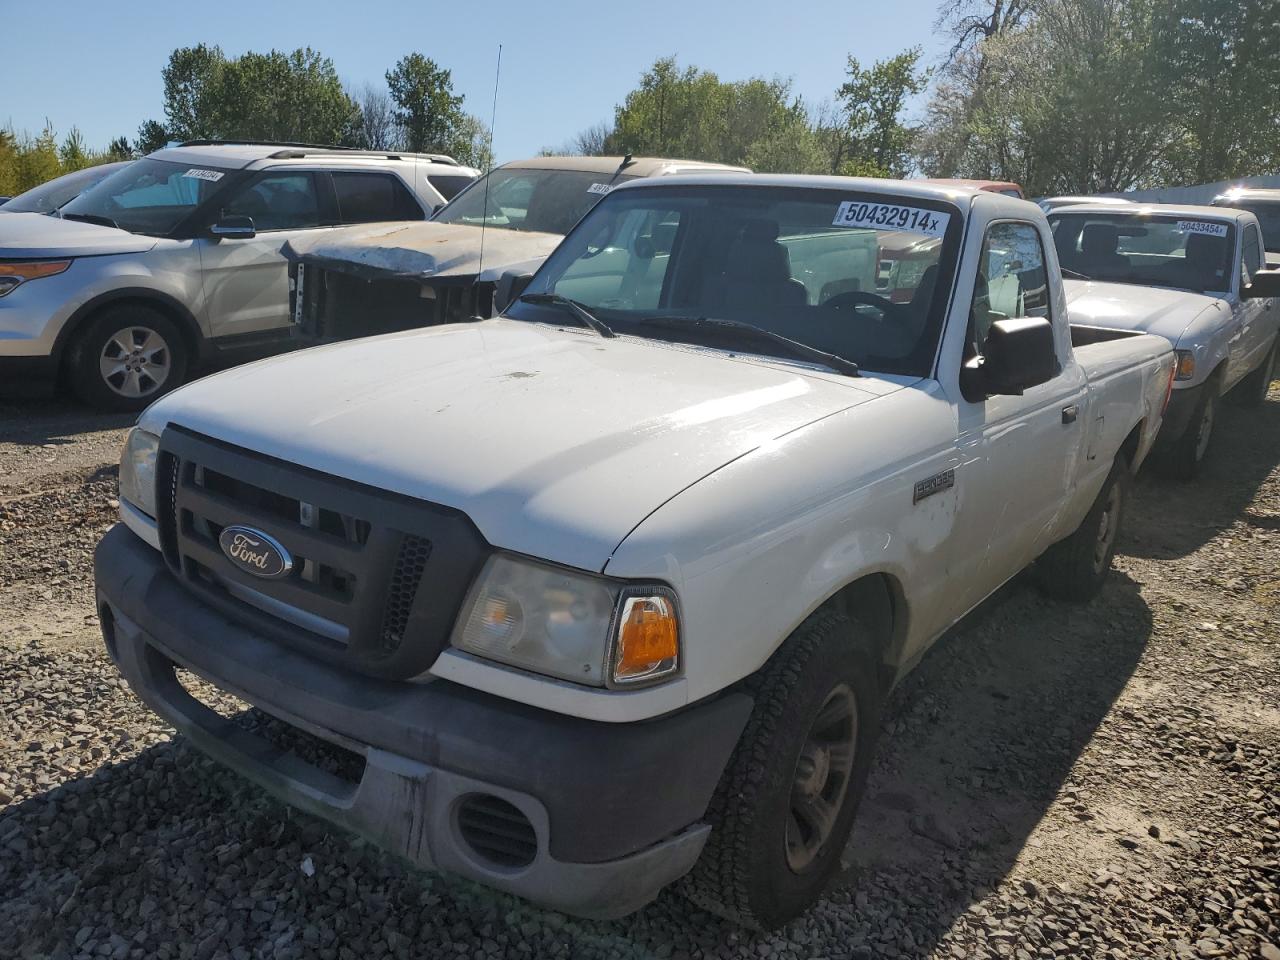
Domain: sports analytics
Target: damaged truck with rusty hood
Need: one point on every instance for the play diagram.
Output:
(380, 278)
(607, 593)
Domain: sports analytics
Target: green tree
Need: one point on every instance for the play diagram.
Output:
(472, 142)
(692, 114)
(119, 149)
(152, 136)
(877, 142)
(73, 155)
(427, 110)
(257, 96)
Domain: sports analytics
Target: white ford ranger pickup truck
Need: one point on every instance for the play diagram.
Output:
(1193, 275)
(607, 592)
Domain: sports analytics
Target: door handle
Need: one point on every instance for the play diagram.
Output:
(1069, 413)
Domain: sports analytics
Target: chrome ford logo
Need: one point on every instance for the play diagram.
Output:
(255, 552)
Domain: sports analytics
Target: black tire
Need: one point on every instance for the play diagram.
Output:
(1252, 390)
(745, 872)
(158, 364)
(1076, 568)
(1185, 458)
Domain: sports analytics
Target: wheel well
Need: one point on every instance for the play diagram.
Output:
(171, 309)
(876, 601)
(1129, 449)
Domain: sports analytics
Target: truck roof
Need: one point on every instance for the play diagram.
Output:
(636, 167)
(963, 194)
(1199, 212)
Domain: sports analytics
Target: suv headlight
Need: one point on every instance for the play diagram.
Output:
(138, 470)
(13, 275)
(570, 625)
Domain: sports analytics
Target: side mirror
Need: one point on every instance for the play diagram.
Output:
(1018, 354)
(510, 285)
(1266, 283)
(233, 228)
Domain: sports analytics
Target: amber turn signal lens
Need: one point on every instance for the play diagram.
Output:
(1186, 368)
(33, 271)
(648, 639)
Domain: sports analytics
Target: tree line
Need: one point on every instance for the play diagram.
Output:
(294, 96)
(1062, 96)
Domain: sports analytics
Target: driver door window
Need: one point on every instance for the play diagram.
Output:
(1012, 280)
(277, 201)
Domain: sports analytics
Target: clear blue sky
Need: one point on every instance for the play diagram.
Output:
(565, 63)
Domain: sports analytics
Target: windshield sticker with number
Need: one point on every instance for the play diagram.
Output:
(600, 188)
(213, 176)
(1203, 226)
(891, 216)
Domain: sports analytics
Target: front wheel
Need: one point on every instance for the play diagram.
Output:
(784, 807)
(1075, 568)
(129, 355)
(1252, 390)
(1184, 460)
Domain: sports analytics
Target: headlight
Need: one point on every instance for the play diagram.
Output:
(14, 274)
(570, 625)
(138, 470)
(1185, 368)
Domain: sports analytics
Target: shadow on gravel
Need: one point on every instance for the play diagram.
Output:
(167, 849)
(1167, 519)
(54, 421)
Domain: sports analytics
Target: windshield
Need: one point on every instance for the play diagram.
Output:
(546, 201)
(1184, 252)
(803, 263)
(49, 196)
(148, 196)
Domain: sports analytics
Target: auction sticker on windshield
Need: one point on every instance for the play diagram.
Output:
(601, 188)
(1203, 226)
(891, 216)
(213, 176)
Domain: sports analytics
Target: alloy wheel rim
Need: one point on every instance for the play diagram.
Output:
(821, 779)
(135, 362)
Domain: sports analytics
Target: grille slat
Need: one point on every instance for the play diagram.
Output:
(356, 593)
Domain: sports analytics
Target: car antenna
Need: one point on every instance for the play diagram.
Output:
(484, 215)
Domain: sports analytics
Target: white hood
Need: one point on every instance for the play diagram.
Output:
(556, 443)
(424, 250)
(1128, 306)
(34, 236)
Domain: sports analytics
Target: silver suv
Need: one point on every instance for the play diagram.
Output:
(176, 260)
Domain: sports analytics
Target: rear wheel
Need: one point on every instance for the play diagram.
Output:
(1186, 457)
(1252, 390)
(784, 807)
(128, 355)
(1076, 568)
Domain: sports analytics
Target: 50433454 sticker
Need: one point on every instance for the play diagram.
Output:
(1204, 227)
(600, 188)
(891, 216)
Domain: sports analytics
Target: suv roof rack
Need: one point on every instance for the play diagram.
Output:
(297, 150)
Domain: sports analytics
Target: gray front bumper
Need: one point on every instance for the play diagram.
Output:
(409, 804)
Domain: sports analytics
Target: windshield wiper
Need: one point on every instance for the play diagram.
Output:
(572, 306)
(1074, 274)
(796, 349)
(90, 218)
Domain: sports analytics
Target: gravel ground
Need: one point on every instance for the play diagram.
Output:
(1094, 781)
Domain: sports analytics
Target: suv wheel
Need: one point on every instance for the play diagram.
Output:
(128, 355)
(784, 807)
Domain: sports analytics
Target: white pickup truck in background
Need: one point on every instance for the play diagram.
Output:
(608, 591)
(1193, 275)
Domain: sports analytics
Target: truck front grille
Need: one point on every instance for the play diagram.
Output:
(377, 579)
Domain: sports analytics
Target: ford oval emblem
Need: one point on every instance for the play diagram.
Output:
(255, 552)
